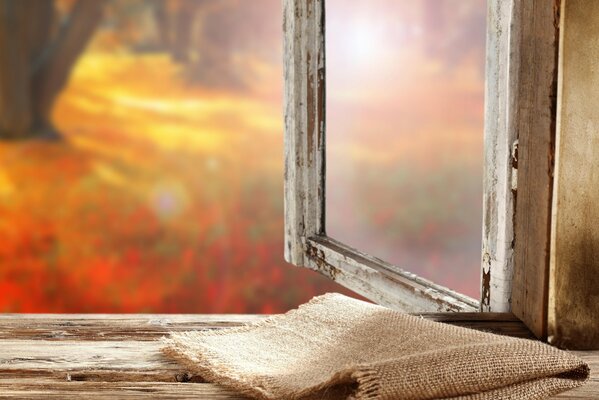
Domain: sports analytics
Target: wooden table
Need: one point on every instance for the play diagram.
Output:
(117, 356)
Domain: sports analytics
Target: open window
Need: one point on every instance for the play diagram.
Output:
(520, 92)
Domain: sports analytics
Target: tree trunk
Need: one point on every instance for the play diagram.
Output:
(15, 102)
(36, 59)
(56, 66)
(163, 23)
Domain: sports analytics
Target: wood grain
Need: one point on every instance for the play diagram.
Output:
(117, 356)
(499, 141)
(48, 389)
(105, 327)
(304, 68)
(381, 282)
(574, 285)
(534, 42)
(521, 72)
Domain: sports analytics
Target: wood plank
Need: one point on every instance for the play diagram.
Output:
(534, 42)
(75, 366)
(519, 104)
(140, 327)
(304, 68)
(499, 323)
(382, 282)
(110, 326)
(499, 140)
(574, 286)
(38, 390)
(66, 355)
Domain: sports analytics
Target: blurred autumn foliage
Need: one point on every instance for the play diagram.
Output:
(141, 160)
(165, 192)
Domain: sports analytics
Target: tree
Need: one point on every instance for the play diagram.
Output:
(38, 49)
(175, 22)
(209, 37)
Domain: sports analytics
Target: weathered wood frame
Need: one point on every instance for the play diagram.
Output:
(573, 308)
(520, 113)
(519, 129)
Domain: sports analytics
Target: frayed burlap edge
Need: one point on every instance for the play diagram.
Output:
(212, 368)
(207, 366)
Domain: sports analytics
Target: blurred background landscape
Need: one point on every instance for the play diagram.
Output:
(405, 105)
(141, 156)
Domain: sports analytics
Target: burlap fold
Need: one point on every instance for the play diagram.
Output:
(335, 347)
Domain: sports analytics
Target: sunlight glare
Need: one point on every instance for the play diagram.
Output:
(365, 42)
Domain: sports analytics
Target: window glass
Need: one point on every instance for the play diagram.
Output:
(405, 86)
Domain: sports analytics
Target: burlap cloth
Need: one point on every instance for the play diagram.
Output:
(335, 347)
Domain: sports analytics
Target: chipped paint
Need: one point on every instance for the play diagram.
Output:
(304, 125)
(318, 257)
(486, 283)
(382, 282)
(501, 158)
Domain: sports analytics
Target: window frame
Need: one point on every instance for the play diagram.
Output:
(520, 88)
